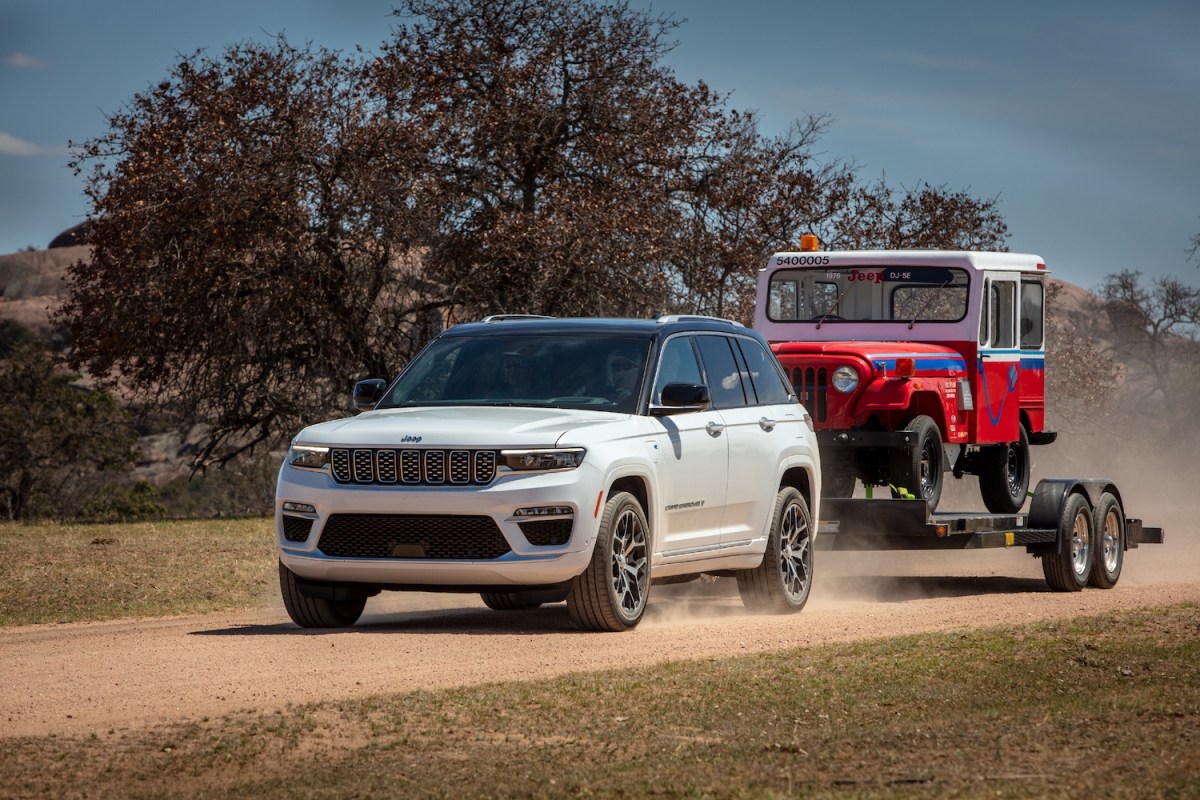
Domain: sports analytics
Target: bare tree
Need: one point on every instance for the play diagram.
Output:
(273, 223)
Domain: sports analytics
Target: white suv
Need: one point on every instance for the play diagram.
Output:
(534, 460)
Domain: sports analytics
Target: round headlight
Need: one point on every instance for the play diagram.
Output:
(845, 379)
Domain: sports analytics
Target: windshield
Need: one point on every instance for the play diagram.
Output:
(507, 369)
(868, 293)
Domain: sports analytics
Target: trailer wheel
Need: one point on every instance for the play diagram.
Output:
(1068, 569)
(317, 612)
(782, 582)
(1004, 475)
(610, 595)
(921, 468)
(1109, 524)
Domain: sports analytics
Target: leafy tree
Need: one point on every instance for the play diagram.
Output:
(55, 436)
(272, 224)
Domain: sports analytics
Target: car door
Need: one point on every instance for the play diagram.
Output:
(693, 462)
(752, 399)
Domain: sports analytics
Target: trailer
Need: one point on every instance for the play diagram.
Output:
(1076, 526)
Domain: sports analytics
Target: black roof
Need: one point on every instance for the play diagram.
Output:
(650, 328)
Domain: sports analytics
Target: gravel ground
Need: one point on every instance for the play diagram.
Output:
(87, 678)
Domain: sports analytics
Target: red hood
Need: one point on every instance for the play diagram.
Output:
(868, 350)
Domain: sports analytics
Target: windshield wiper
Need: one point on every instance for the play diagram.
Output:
(829, 311)
(932, 295)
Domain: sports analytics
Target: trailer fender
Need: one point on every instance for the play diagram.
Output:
(1050, 494)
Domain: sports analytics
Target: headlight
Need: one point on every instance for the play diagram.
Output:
(308, 457)
(533, 460)
(845, 379)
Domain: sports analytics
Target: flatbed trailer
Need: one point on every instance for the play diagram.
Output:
(1076, 526)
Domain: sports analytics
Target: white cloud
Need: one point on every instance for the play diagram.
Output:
(23, 61)
(12, 146)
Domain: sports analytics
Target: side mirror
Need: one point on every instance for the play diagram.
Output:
(680, 398)
(367, 393)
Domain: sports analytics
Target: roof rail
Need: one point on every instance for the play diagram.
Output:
(664, 319)
(513, 317)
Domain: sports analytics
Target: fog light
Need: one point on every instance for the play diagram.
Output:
(299, 508)
(545, 511)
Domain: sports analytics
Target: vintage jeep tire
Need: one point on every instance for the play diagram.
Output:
(1068, 569)
(611, 594)
(1109, 525)
(1004, 475)
(921, 469)
(317, 612)
(782, 582)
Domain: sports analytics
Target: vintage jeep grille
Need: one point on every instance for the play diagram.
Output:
(812, 387)
(413, 467)
(547, 531)
(412, 536)
(296, 529)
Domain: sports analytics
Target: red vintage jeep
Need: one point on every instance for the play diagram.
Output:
(914, 363)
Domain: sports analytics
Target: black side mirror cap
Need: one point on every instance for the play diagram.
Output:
(367, 393)
(680, 398)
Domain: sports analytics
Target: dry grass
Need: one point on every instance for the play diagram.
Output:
(69, 573)
(1088, 708)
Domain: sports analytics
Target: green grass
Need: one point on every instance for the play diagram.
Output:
(1087, 708)
(69, 573)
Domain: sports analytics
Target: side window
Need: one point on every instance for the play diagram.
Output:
(1002, 299)
(764, 374)
(1033, 314)
(677, 364)
(721, 367)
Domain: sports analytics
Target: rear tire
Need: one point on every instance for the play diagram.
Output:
(921, 468)
(782, 582)
(521, 600)
(611, 594)
(1068, 569)
(1004, 475)
(317, 612)
(1109, 524)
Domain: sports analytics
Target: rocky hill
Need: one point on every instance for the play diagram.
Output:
(33, 285)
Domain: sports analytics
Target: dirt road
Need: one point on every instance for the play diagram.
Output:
(97, 677)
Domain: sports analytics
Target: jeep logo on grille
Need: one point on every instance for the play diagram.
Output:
(410, 439)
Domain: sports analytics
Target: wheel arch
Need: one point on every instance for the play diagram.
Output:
(1051, 493)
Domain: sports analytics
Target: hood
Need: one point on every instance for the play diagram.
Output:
(455, 426)
(869, 350)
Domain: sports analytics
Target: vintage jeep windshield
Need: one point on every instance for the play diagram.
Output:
(868, 293)
(507, 369)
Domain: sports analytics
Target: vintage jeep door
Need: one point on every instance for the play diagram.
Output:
(995, 374)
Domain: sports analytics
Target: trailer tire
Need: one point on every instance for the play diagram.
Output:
(611, 594)
(1069, 569)
(317, 612)
(782, 582)
(1109, 525)
(921, 469)
(1004, 475)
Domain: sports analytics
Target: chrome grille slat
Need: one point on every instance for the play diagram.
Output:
(413, 467)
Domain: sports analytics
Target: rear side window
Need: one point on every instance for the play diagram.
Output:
(765, 379)
(721, 367)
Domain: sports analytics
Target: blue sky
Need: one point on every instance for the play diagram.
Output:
(1083, 118)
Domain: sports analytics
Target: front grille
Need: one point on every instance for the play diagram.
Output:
(812, 387)
(296, 529)
(412, 536)
(413, 467)
(545, 532)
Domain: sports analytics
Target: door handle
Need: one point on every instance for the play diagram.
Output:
(767, 425)
(714, 428)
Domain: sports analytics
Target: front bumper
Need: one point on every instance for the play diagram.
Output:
(411, 563)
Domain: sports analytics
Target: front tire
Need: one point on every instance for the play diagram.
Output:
(1068, 569)
(611, 594)
(317, 612)
(921, 468)
(782, 582)
(1109, 523)
(1004, 477)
